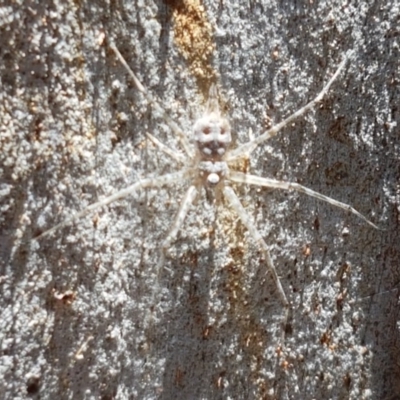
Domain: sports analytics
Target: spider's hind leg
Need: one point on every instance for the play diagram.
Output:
(250, 146)
(235, 203)
(153, 101)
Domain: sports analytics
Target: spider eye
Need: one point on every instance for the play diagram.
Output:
(206, 131)
(223, 131)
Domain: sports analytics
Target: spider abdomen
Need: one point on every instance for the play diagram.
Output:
(212, 134)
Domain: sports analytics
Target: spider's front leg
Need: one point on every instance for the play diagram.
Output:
(163, 180)
(240, 177)
(188, 200)
(235, 203)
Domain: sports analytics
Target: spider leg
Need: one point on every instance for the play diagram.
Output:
(248, 147)
(151, 100)
(186, 203)
(240, 177)
(173, 154)
(144, 183)
(235, 203)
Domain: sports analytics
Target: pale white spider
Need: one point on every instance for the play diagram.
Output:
(207, 166)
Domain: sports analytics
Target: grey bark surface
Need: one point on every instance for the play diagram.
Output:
(73, 128)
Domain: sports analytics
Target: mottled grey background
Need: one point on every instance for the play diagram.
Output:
(72, 129)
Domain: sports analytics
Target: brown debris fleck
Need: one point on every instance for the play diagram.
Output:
(194, 38)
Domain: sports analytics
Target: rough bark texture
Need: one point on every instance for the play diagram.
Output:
(75, 306)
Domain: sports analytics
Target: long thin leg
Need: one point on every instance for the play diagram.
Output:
(144, 183)
(248, 147)
(151, 100)
(240, 177)
(235, 203)
(187, 201)
(173, 154)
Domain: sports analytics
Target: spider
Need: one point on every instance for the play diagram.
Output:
(208, 166)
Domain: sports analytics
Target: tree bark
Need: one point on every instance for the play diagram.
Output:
(85, 313)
